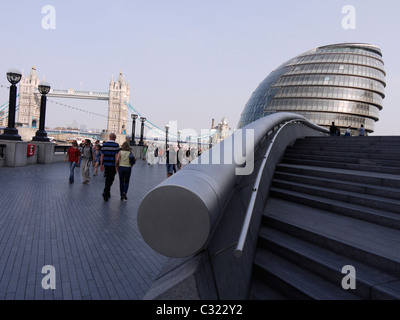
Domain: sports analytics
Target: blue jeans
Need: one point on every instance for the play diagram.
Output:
(72, 166)
(170, 168)
(124, 177)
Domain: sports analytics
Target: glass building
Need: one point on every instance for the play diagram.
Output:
(341, 83)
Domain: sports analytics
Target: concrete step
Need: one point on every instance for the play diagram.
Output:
(367, 189)
(259, 290)
(383, 218)
(370, 201)
(370, 283)
(344, 158)
(346, 166)
(361, 154)
(296, 282)
(374, 140)
(346, 149)
(374, 245)
(370, 178)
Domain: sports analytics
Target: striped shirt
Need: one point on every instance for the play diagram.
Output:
(109, 150)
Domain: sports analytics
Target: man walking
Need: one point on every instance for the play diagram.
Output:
(87, 158)
(109, 150)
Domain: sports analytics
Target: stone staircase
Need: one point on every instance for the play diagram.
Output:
(334, 202)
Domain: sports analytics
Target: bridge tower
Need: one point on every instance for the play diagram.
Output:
(29, 100)
(117, 110)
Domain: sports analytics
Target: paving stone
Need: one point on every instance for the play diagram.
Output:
(94, 246)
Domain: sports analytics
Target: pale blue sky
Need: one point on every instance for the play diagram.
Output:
(186, 61)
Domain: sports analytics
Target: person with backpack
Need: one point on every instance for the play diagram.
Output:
(87, 156)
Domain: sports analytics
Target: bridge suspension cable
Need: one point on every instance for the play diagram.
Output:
(162, 132)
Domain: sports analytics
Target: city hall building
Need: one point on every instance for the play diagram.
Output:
(341, 83)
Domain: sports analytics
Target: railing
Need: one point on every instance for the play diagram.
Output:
(177, 217)
(249, 213)
(61, 148)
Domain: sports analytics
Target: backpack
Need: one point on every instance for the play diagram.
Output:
(91, 152)
(188, 153)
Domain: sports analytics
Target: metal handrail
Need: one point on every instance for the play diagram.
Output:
(249, 213)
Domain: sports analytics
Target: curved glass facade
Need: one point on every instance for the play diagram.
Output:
(341, 83)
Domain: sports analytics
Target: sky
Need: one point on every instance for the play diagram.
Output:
(188, 61)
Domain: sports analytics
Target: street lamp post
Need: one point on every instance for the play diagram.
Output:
(179, 138)
(143, 120)
(11, 133)
(41, 134)
(166, 136)
(134, 117)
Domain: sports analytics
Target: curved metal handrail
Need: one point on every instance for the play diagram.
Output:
(177, 217)
(249, 213)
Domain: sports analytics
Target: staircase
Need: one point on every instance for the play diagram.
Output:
(334, 202)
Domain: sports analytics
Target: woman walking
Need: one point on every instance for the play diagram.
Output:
(73, 155)
(124, 162)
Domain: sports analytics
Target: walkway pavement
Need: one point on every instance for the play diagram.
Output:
(95, 246)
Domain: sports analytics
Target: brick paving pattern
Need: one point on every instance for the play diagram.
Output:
(94, 246)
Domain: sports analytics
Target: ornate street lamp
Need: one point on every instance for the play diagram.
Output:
(134, 117)
(166, 136)
(11, 133)
(41, 134)
(143, 120)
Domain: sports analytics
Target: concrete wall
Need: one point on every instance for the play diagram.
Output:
(15, 153)
(215, 273)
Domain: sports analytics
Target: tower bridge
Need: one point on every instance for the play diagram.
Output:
(117, 97)
(119, 107)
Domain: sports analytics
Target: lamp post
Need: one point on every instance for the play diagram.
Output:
(166, 136)
(134, 117)
(11, 133)
(179, 138)
(143, 120)
(41, 134)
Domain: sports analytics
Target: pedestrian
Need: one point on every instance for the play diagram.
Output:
(179, 158)
(348, 131)
(170, 160)
(333, 129)
(97, 155)
(87, 157)
(145, 148)
(80, 149)
(124, 162)
(73, 155)
(109, 152)
(361, 131)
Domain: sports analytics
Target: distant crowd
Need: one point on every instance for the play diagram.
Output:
(335, 131)
(110, 158)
